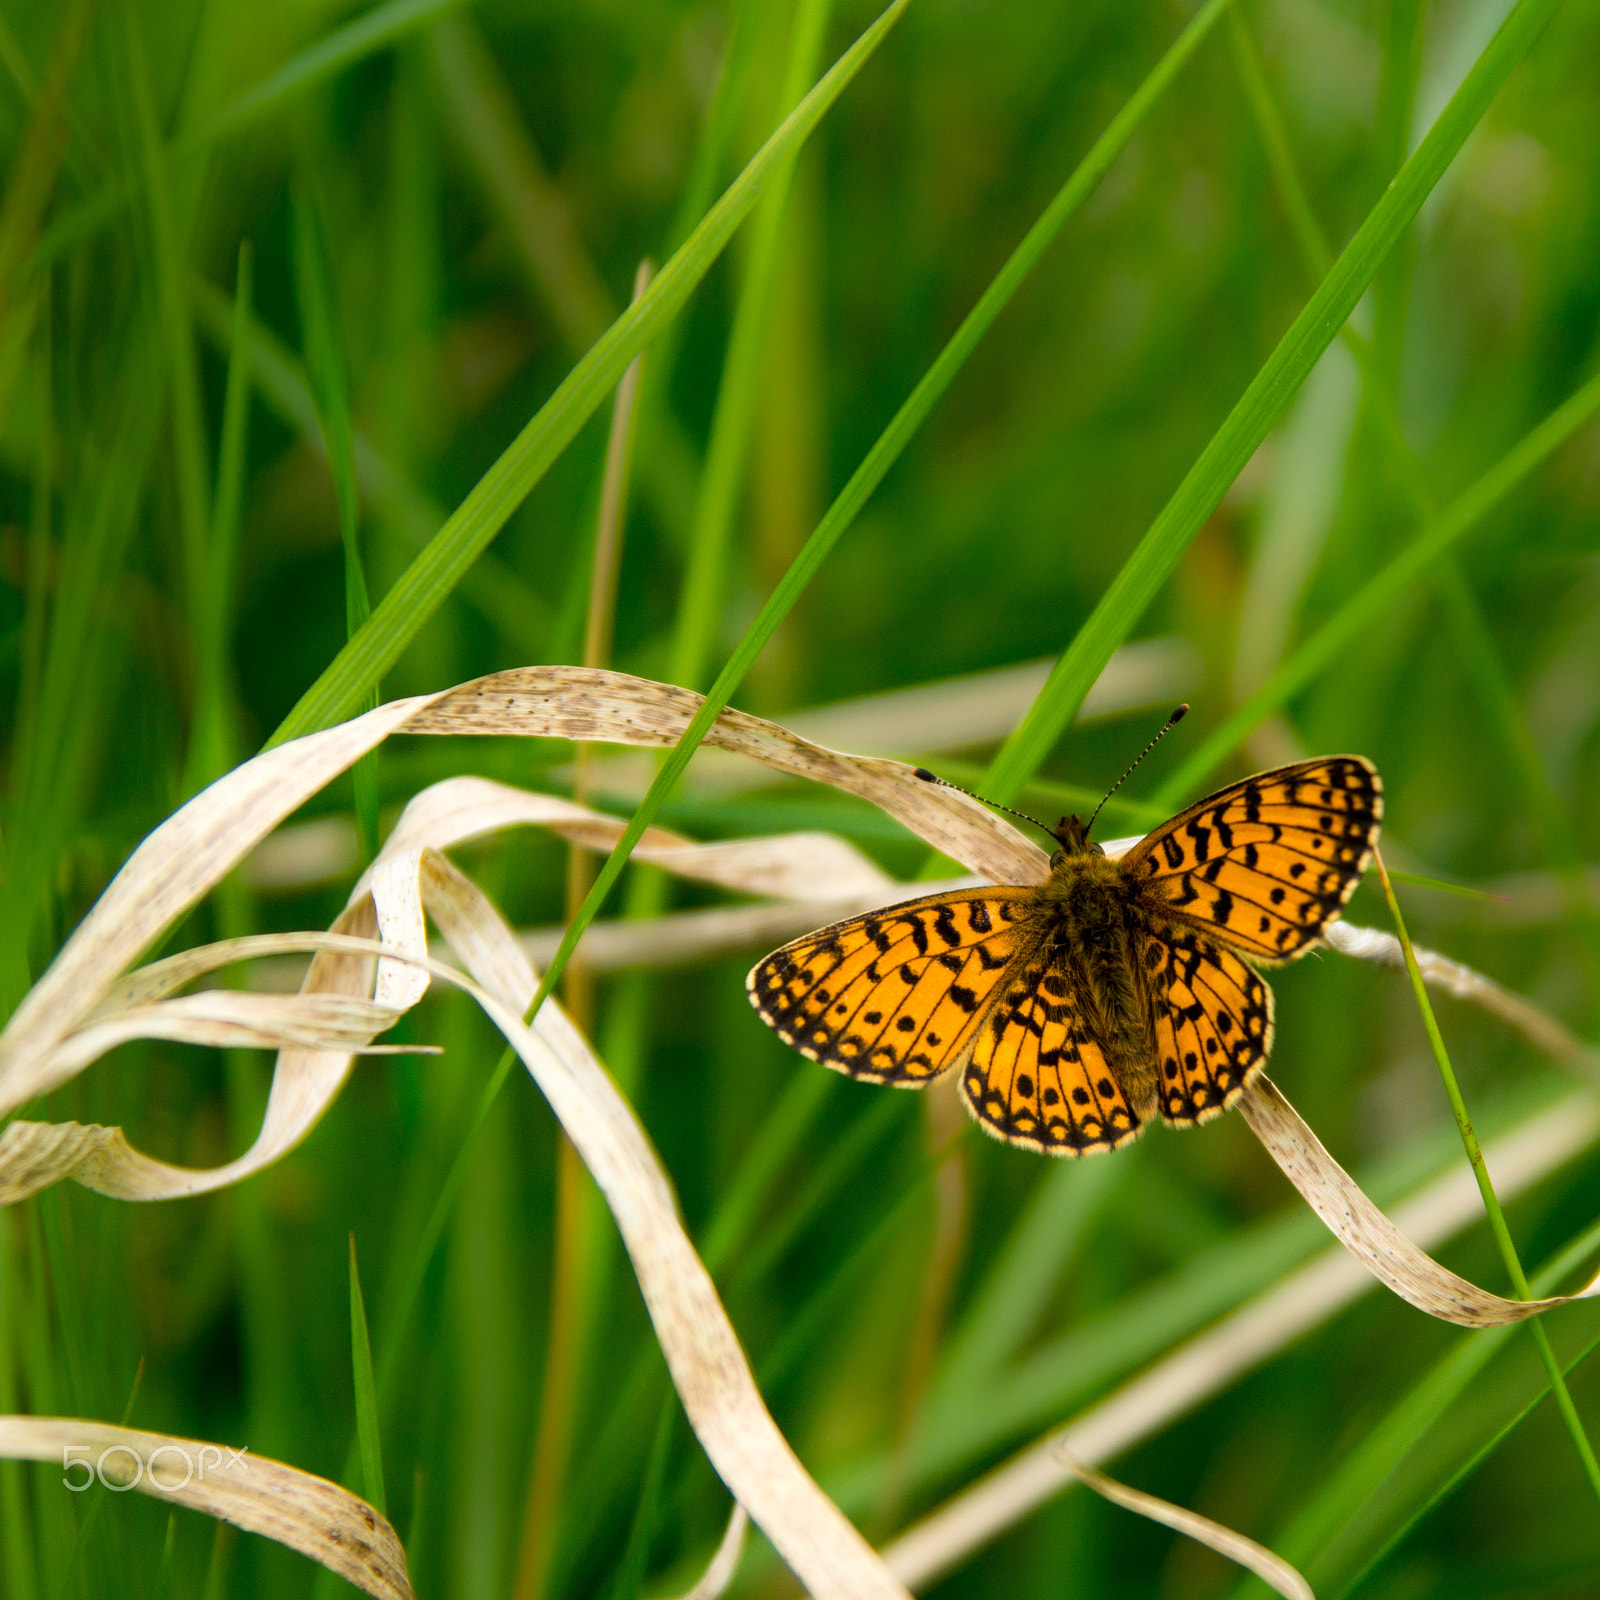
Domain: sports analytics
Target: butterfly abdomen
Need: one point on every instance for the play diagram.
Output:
(1097, 922)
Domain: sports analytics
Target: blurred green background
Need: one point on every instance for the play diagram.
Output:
(444, 206)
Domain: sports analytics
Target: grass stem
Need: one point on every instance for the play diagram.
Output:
(1491, 1204)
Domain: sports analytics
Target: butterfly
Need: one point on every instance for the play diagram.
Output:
(1080, 1009)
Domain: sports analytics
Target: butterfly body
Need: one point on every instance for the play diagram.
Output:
(1117, 991)
(1093, 917)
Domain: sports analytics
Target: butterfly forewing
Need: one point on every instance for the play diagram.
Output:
(1036, 1078)
(1266, 864)
(1213, 1023)
(894, 997)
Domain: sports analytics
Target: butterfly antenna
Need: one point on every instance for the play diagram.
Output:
(945, 783)
(1171, 722)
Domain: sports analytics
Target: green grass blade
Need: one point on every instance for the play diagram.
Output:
(1385, 586)
(330, 387)
(706, 578)
(366, 1391)
(1463, 1469)
(1028, 1267)
(1202, 489)
(500, 594)
(1357, 1478)
(883, 454)
(18, 1557)
(382, 26)
(169, 239)
(422, 588)
(1491, 1204)
(374, 30)
(210, 741)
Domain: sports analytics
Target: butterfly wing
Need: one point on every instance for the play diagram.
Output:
(1266, 864)
(894, 996)
(1213, 1023)
(1036, 1077)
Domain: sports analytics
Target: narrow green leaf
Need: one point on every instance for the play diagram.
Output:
(210, 743)
(884, 453)
(1384, 1445)
(706, 578)
(422, 588)
(330, 388)
(1202, 489)
(366, 1391)
(18, 1558)
(1383, 588)
(1497, 1221)
(169, 238)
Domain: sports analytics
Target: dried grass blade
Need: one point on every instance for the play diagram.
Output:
(1210, 1361)
(588, 704)
(1440, 972)
(186, 856)
(1270, 1567)
(802, 866)
(1376, 1242)
(293, 1508)
(703, 1354)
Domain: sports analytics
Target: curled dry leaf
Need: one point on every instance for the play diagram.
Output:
(708, 1367)
(81, 1005)
(190, 852)
(306, 1513)
(1366, 1232)
(1207, 1363)
(84, 993)
(1440, 972)
(808, 866)
(1270, 1567)
(595, 706)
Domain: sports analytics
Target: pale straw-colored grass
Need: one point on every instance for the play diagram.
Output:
(88, 1001)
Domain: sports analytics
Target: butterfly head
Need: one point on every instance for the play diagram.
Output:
(1072, 834)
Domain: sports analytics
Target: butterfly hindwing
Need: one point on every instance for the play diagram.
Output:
(894, 996)
(1213, 1023)
(1266, 864)
(1036, 1077)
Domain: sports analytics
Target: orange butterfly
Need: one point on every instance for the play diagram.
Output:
(1079, 1009)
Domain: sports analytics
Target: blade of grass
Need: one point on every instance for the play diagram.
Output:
(1475, 645)
(1383, 1446)
(366, 1392)
(1005, 1307)
(1369, 602)
(422, 588)
(1147, 569)
(636, 1553)
(884, 452)
(211, 749)
(19, 1563)
(1466, 1468)
(574, 1258)
(1474, 641)
(377, 29)
(727, 452)
(505, 601)
(169, 238)
(1491, 1204)
(330, 389)
(99, 518)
